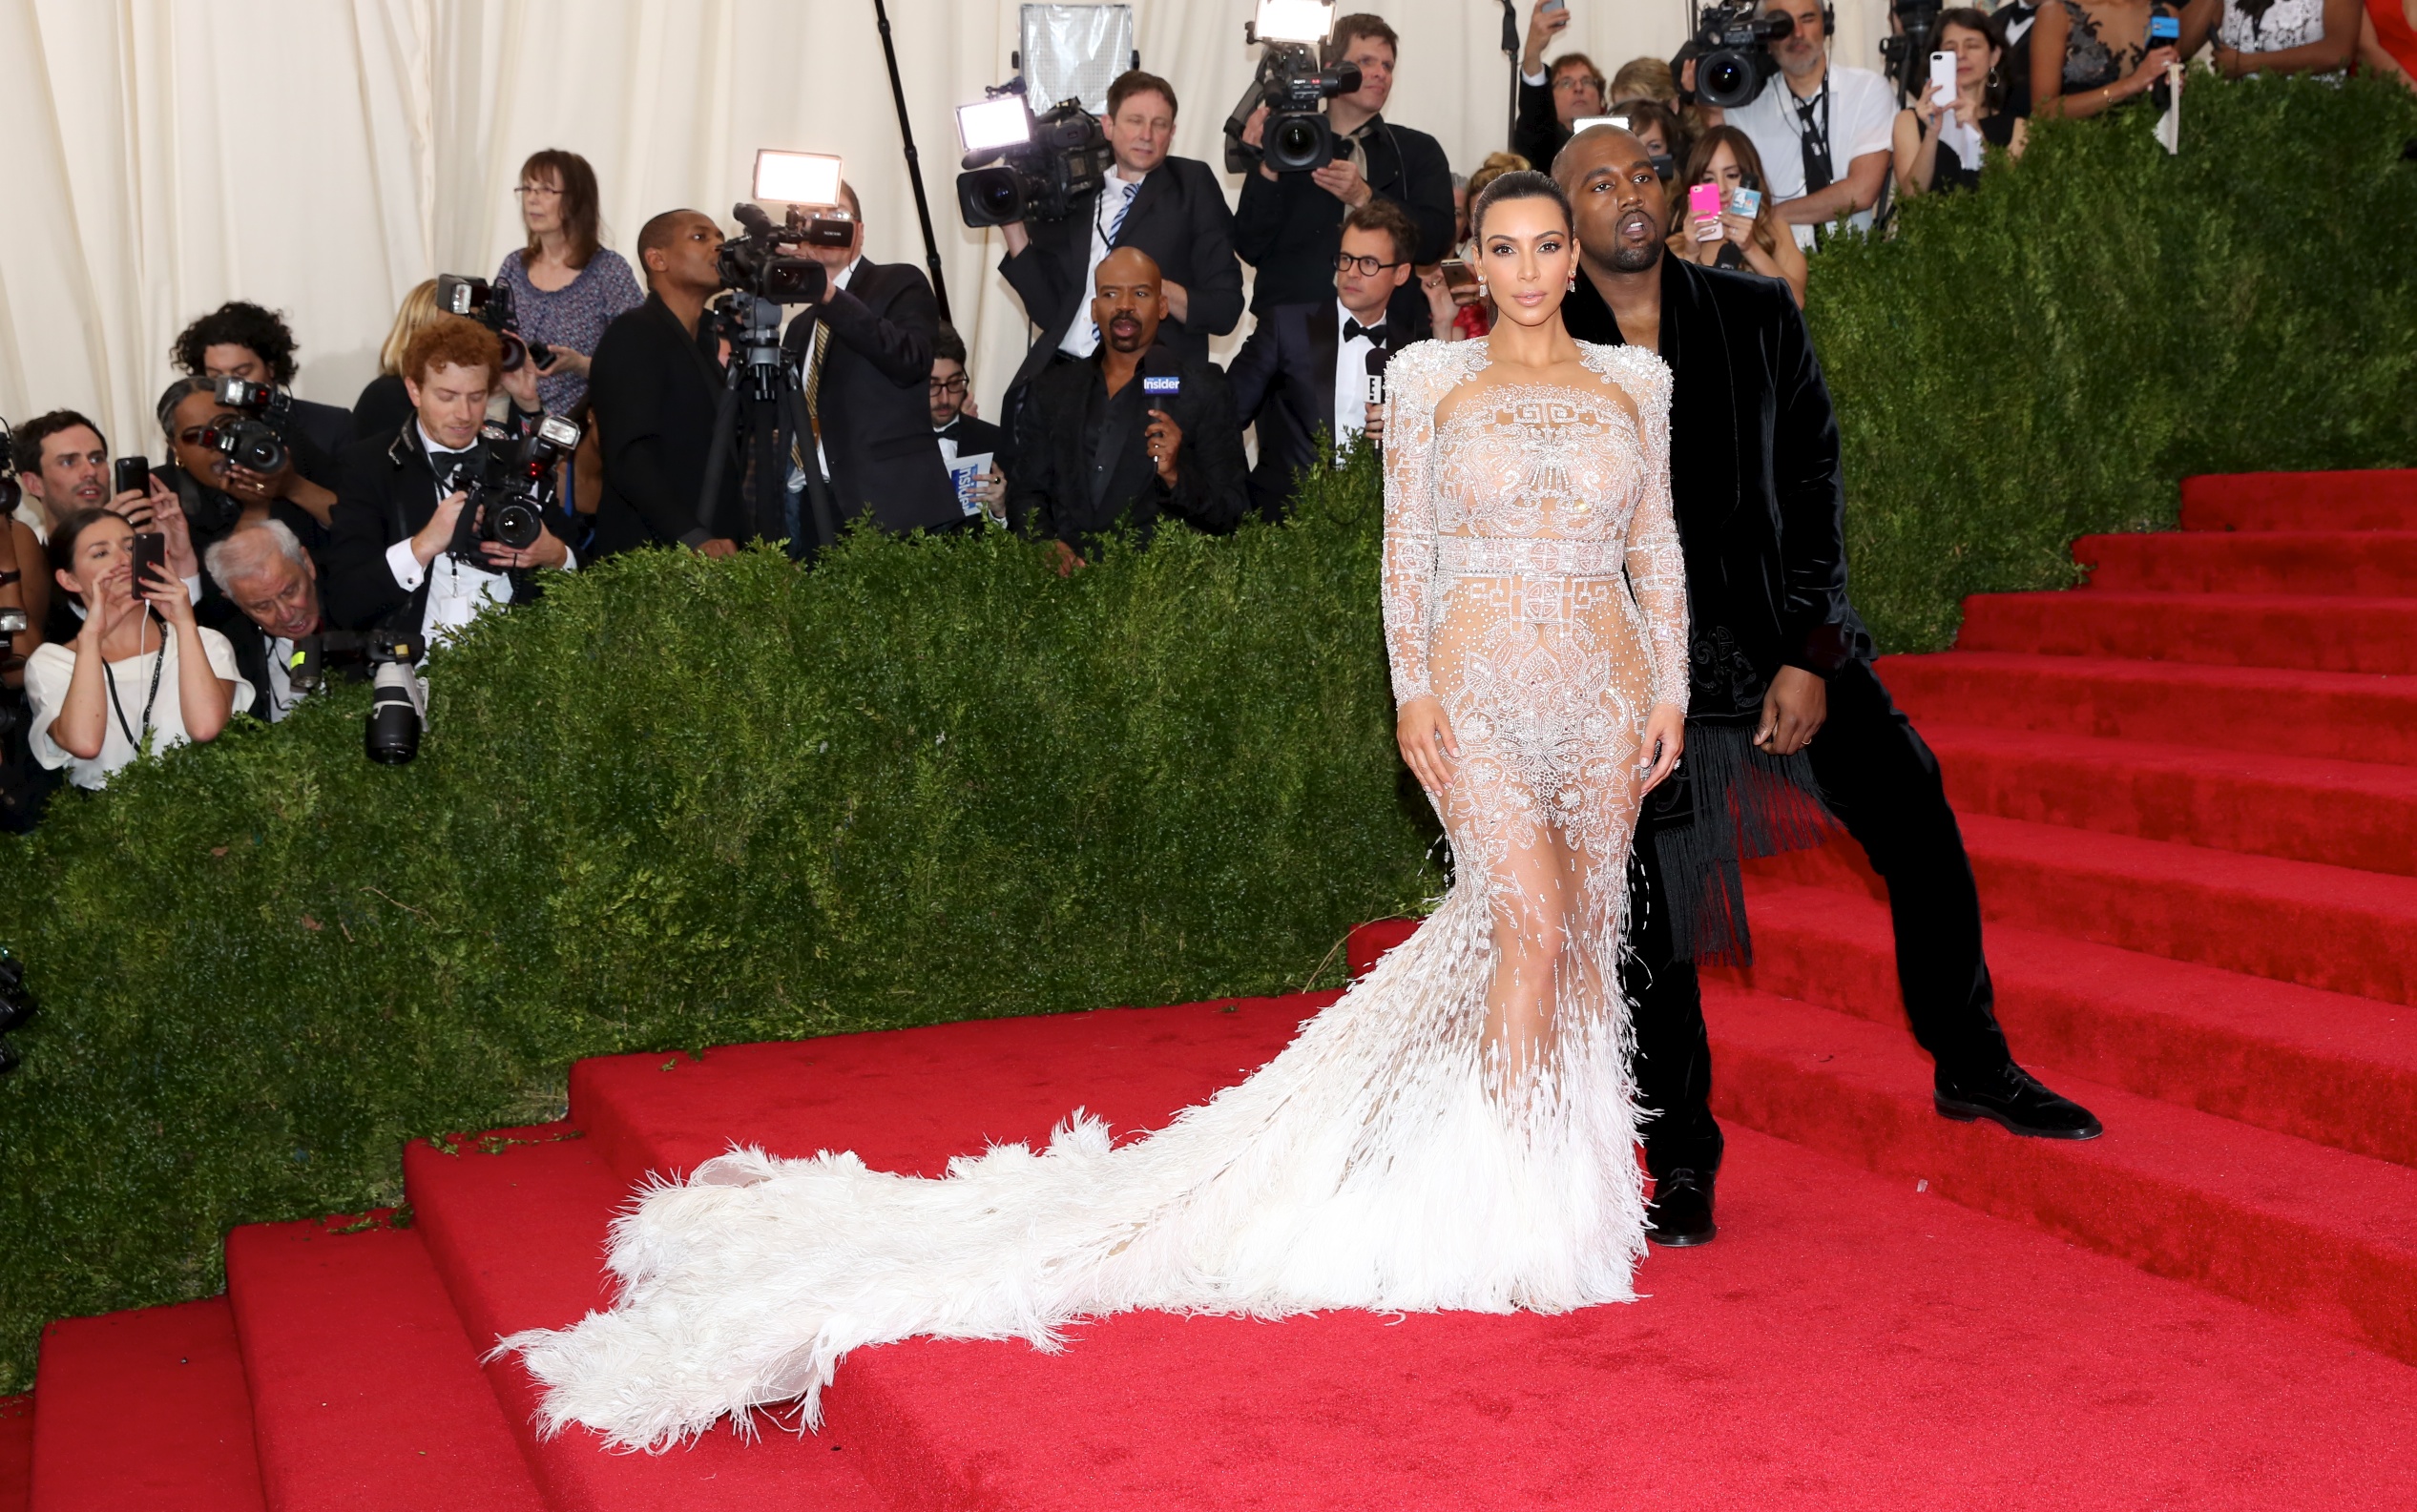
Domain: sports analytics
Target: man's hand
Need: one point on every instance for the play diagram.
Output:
(547, 550)
(1255, 134)
(137, 506)
(1428, 743)
(438, 533)
(1067, 560)
(1543, 26)
(1017, 237)
(1179, 300)
(1342, 179)
(1793, 712)
(719, 546)
(1165, 438)
(1373, 426)
(993, 494)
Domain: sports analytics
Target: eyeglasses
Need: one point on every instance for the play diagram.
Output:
(1569, 83)
(1370, 268)
(526, 190)
(948, 386)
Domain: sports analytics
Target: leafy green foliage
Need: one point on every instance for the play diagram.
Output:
(683, 803)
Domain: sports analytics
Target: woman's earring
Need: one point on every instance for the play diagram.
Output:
(1572, 288)
(1992, 75)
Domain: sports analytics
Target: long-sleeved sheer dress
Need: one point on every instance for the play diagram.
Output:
(1457, 1131)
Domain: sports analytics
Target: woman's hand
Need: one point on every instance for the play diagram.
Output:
(564, 362)
(1427, 742)
(521, 384)
(168, 597)
(1665, 739)
(1737, 227)
(1440, 308)
(2152, 67)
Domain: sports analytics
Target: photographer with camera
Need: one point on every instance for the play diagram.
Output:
(140, 672)
(956, 426)
(1289, 225)
(864, 346)
(264, 570)
(243, 340)
(1135, 433)
(1823, 129)
(411, 551)
(653, 387)
(1553, 102)
(566, 286)
(1172, 208)
(206, 437)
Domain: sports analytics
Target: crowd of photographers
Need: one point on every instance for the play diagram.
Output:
(576, 405)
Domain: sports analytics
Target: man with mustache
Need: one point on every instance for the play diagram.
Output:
(1131, 433)
(1784, 709)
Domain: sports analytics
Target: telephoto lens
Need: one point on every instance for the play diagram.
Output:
(516, 523)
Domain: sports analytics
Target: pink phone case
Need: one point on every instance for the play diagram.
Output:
(1703, 203)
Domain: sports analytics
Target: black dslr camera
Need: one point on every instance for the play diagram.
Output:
(491, 305)
(510, 486)
(1731, 51)
(257, 438)
(1066, 157)
(1289, 82)
(753, 262)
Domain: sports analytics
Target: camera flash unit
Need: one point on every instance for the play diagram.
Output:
(1293, 20)
(796, 178)
(989, 125)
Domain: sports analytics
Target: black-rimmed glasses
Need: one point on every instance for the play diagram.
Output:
(1370, 268)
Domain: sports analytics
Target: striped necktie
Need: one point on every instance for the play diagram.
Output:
(1116, 224)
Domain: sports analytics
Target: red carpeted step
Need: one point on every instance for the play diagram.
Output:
(2230, 630)
(2319, 1235)
(16, 1453)
(2320, 926)
(2326, 563)
(2376, 500)
(515, 1225)
(144, 1411)
(2354, 813)
(364, 1390)
(2319, 1065)
(2345, 716)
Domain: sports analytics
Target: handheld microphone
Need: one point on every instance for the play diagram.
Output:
(1376, 375)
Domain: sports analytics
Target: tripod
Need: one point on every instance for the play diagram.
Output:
(774, 392)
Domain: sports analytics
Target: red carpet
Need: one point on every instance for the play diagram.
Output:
(2190, 791)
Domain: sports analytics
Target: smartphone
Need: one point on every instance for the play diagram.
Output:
(1745, 201)
(1704, 204)
(151, 552)
(1554, 5)
(2164, 31)
(1943, 78)
(131, 475)
(1460, 281)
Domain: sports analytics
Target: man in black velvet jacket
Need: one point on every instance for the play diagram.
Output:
(1774, 646)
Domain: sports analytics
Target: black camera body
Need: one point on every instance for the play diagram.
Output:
(257, 440)
(1731, 51)
(1905, 55)
(398, 699)
(1297, 137)
(490, 305)
(1067, 157)
(753, 261)
(510, 486)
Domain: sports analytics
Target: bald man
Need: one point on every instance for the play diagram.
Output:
(1130, 434)
(1784, 709)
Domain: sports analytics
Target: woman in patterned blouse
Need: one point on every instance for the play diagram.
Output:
(565, 289)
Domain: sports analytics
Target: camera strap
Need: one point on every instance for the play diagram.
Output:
(133, 737)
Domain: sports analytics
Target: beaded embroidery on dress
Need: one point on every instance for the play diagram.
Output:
(1406, 1153)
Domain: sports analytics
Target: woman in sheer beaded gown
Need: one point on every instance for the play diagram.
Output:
(1457, 1131)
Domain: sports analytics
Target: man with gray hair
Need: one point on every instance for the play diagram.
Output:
(264, 570)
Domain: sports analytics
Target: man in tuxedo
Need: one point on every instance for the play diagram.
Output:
(1781, 667)
(653, 385)
(389, 562)
(865, 348)
(960, 432)
(264, 571)
(1289, 226)
(1552, 100)
(1134, 433)
(1304, 370)
(1172, 208)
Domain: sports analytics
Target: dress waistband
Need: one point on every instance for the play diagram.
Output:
(1518, 556)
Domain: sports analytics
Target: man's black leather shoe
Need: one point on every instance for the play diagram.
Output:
(1680, 1214)
(2013, 1098)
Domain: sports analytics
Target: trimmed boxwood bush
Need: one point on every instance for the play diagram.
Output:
(683, 803)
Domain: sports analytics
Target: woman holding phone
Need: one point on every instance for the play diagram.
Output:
(1939, 144)
(141, 672)
(1728, 223)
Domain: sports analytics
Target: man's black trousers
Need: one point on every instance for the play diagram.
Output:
(1882, 783)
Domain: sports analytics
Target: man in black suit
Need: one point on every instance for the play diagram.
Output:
(956, 427)
(1781, 668)
(264, 570)
(1135, 433)
(1552, 100)
(390, 562)
(1305, 371)
(865, 348)
(1172, 208)
(653, 385)
(1289, 226)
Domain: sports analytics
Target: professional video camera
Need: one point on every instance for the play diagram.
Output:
(257, 440)
(1019, 166)
(510, 486)
(1731, 51)
(491, 305)
(1289, 82)
(1906, 56)
(752, 261)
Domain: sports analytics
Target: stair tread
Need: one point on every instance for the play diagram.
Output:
(2380, 780)
(2254, 502)
(2303, 883)
(366, 1390)
(175, 1374)
(16, 1453)
(2215, 676)
(2328, 604)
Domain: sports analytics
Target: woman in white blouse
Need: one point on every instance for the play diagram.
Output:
(140, 672)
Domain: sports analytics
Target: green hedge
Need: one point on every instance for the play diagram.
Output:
(685, 802)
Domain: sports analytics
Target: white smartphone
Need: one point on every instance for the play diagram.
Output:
(1943, 78)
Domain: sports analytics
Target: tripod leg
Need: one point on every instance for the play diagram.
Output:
(718, 453)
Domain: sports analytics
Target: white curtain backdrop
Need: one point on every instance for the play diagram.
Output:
(321, 157)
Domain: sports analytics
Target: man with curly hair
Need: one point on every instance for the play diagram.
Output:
(242, 340)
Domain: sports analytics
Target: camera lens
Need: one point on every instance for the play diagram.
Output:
(1296, 142)
(997, 194)
(518, 525)
(1726, 80)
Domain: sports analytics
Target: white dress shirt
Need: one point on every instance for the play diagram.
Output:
(457, 591)
(1861, 111)
(1082, 338)
(1350, 377)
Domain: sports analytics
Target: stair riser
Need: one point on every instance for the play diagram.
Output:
(2261, 817)
(2322, 1278)
(2350, 500)
(2363, 636)
(2054, 698)
(2361, 1106)
(2370, 564)
(2368, 953)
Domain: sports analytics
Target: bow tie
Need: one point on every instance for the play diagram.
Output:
(1353, 330)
